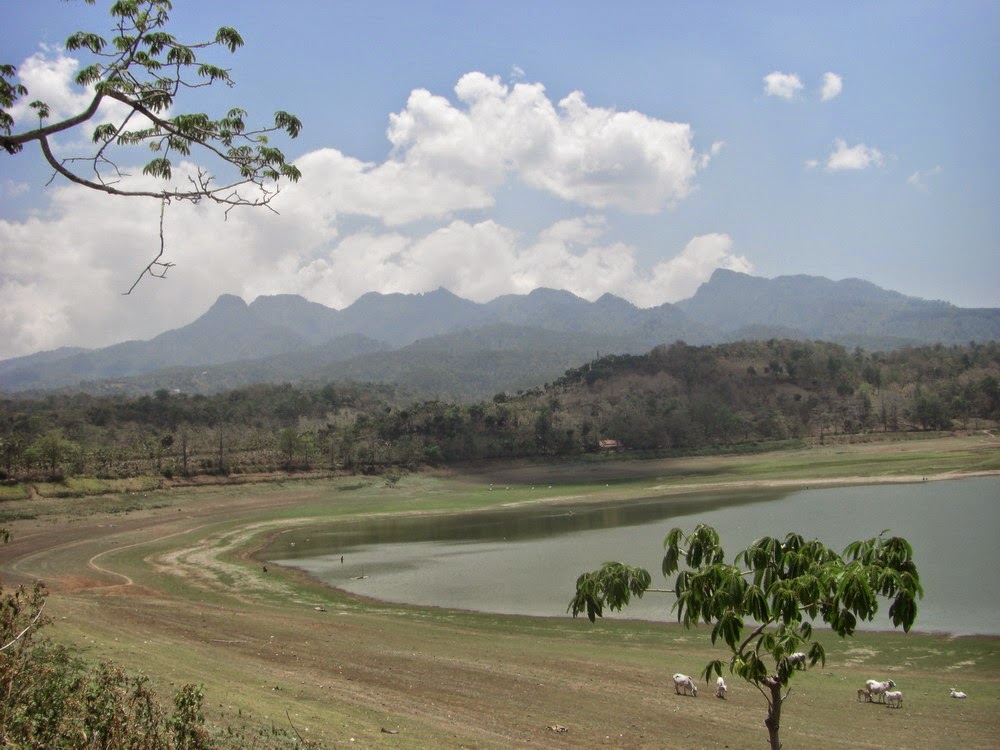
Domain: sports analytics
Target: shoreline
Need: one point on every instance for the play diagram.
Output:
(531, 607)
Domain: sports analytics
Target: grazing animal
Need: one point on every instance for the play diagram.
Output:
(798, 659)
(894, 698)
(720, 688)
(864, 693)
(958, 694)
(685, 683)
(879, 688)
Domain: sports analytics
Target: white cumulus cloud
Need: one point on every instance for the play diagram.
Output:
(415, 221)
(593, 156)
(483, 260)
(48, 76)
(853, 157)
(679, 277)
(783, 85)
(833, 84)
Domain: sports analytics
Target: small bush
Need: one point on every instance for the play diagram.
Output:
(50, 698)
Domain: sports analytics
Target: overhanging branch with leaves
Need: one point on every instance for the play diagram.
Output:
(145, 69)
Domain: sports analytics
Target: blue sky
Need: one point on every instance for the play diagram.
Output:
(492, 148)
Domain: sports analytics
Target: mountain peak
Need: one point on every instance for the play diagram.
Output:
(611, 301)
(228, 302)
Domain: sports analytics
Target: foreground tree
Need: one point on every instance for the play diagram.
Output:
(145, 69)
(763, 605)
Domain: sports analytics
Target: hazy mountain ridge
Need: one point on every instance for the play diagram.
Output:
(839, 311)
(446, 344)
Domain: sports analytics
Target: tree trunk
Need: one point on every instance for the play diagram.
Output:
(773, 720)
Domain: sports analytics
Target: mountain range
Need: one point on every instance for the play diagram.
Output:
(438, 345)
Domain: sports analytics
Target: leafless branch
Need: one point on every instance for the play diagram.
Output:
(73, 177)
(28, 627)
(156, 267)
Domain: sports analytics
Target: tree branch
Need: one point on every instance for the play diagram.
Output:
(166, 125)
(73, 177)
(757, 631)
(28, 627)
(13, 143)
(144, 69)
(155, 262)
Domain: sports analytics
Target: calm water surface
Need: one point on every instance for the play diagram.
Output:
(526, 560)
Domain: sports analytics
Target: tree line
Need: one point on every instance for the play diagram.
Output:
(676, 398)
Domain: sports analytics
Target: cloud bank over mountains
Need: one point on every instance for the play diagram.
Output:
(418, 220)
(485, 187)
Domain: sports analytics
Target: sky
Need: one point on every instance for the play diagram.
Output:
(492, 148)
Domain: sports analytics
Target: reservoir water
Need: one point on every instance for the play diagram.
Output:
(526, 560)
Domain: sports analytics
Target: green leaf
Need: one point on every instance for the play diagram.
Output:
(270, 156)
(903, 610)
(124, 42)
(41, 109)
(229, 37)
(713, 667)
(181, 55)
(755, 604)
(670, 560)
(157, 41)
(179, 144)
(289, 123)
(157, 100)
(104, 133)
(730, 627)
(83, 40)
(817, 654)
(612, 585)
(87, 76)
(213, 72)
(158, 168)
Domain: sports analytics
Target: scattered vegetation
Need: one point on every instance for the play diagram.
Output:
(51, 698)
(674, 399)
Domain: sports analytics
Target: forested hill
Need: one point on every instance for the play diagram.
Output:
(673, 398)
(450, 348)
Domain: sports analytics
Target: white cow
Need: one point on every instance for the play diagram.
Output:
(879, 688)
(720, 688)
(894, 698)
(685, 683)
(798, 659)
(958, 694)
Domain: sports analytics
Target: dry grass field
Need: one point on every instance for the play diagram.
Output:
(167, 584)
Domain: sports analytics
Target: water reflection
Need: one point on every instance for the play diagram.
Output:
(525, 560)
(522, 523)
